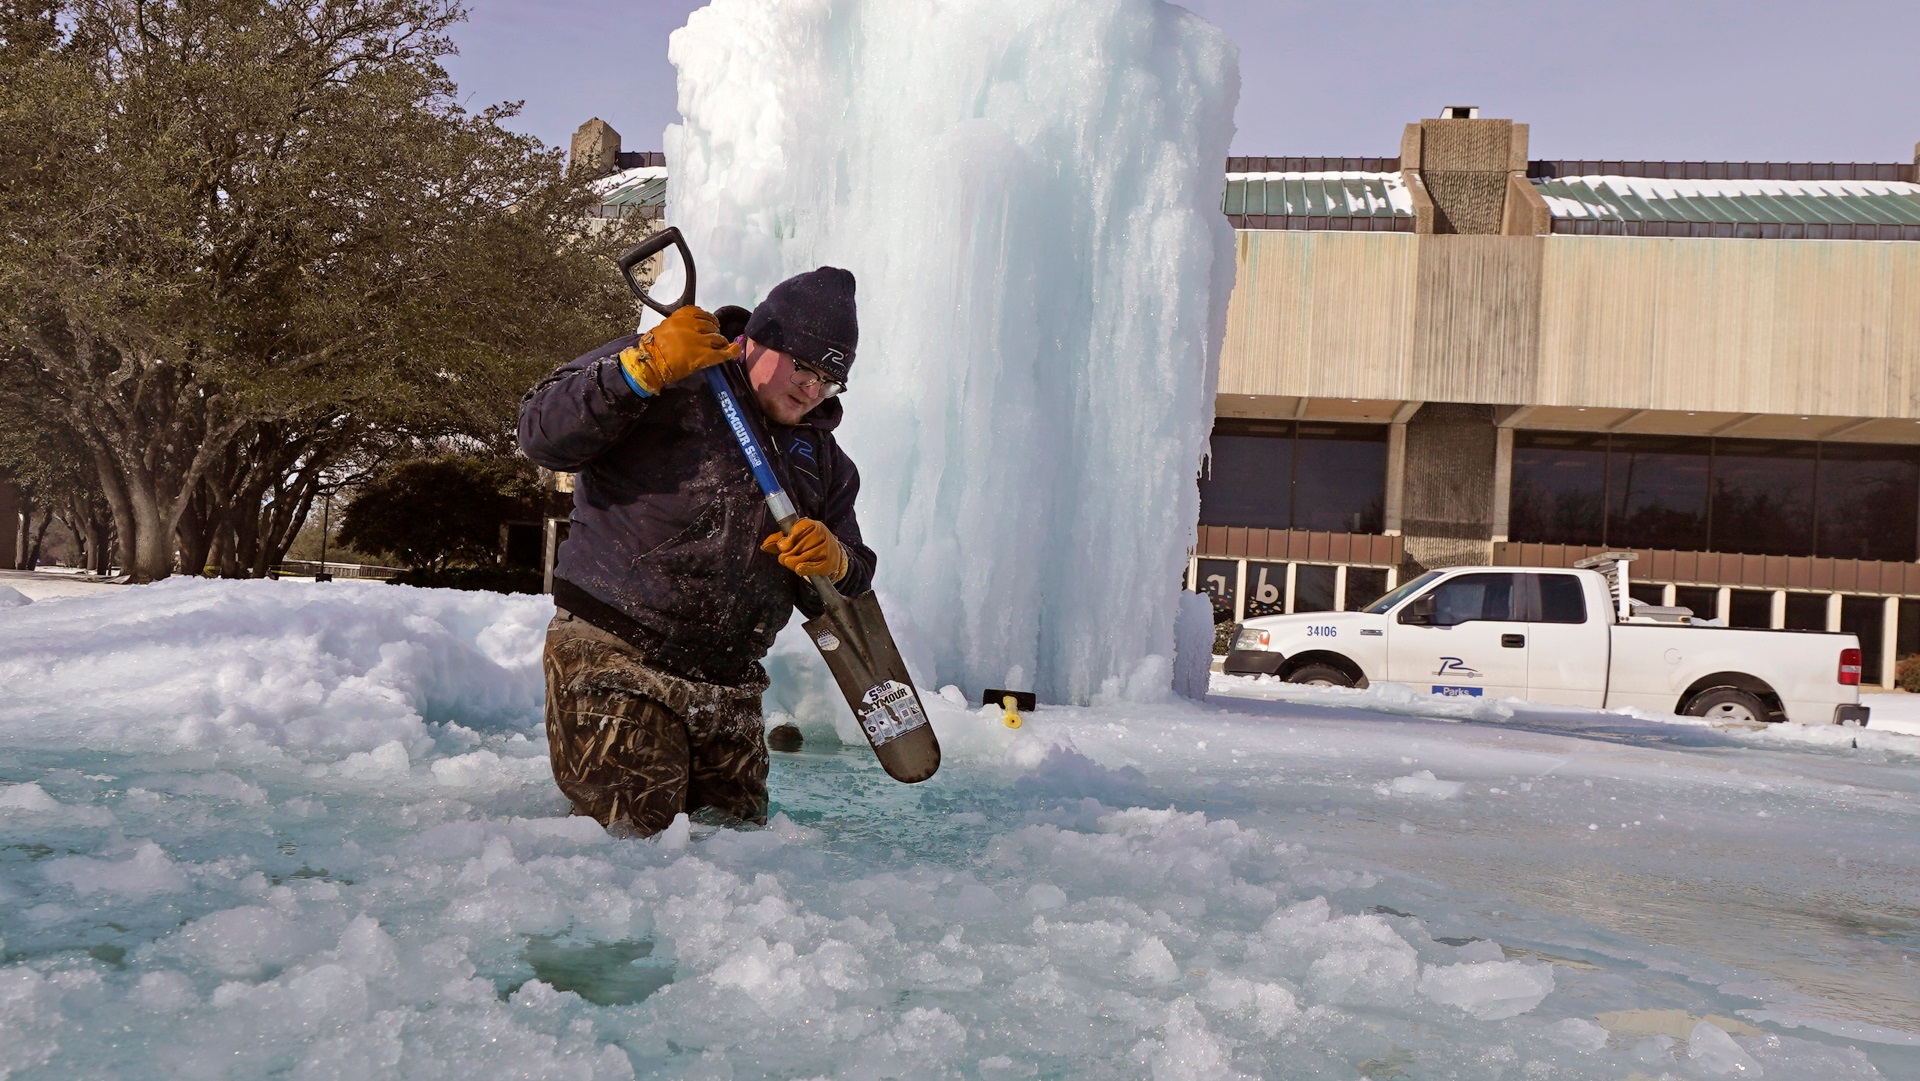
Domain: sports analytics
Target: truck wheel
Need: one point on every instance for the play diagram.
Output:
(1320, 675)
(1728, 704)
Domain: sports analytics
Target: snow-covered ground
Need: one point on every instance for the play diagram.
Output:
(252, 828)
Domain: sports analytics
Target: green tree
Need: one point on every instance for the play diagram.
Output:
(430, 512)
(238, 228)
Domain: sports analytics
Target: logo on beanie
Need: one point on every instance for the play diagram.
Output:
(833, 356)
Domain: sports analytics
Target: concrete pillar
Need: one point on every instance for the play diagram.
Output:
(1669, 595)
(1465, 166)
(1396, 478)
(1293, 571)
(1340, 588)
(1890, 642)
(1723, 605)
(1240, 591)
(1502, 481)
(1777, 618)
(1833, 612)
(596, 147)
(1447, 497)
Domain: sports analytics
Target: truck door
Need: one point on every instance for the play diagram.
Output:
(1465, 636)
(1567, 643)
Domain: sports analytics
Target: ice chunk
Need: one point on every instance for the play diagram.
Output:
(1193, 646)
(1578, 1033)
(147, 872)
(677, 834)
(1153, 963)
(13, 598)
(1190, 1052)
(26, 797)
(1032, 209)
(1422, 784)
(1716, 1052)
(1489, 990)
(387, 760)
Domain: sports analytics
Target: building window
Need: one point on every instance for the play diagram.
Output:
(1743, 496)
(1869, 501)
(1340, 478)
(1762, 497)
(1806, 611)
(1286, 475)
(1364, 586)
(1313, 587)
(1865, 619)
(1702, 601)
(1657, 493)
(1559, 488)
(1751, 608)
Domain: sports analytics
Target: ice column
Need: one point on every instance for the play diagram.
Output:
(1028, 192)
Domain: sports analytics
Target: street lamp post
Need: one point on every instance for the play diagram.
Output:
(326, 504)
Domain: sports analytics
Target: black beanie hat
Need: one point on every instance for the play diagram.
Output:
(811, 318)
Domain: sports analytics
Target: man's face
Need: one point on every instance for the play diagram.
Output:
(776, 384)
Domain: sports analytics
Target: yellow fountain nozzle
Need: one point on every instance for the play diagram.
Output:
(1011, 701)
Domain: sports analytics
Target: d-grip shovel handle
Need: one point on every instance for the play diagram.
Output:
(743, 433)
(666, 238)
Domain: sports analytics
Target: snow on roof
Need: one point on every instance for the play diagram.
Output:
(1338, 193)
(630, 176)
(1614, 197)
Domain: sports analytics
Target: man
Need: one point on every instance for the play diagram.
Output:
(667, 596)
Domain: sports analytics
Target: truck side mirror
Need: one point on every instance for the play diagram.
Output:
(1418, 611)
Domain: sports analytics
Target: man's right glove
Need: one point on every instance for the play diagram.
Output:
(687, 341)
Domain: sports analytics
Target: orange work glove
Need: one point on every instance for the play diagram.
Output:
(809, 550)
(687, 341)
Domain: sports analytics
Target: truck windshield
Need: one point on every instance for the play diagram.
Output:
(1407, 589)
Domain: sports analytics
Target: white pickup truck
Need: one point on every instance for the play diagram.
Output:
(1566, 637)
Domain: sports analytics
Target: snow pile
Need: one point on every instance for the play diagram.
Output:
(267, 667)
(1029, 194)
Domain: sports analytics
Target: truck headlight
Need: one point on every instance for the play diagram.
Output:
(1252, 638)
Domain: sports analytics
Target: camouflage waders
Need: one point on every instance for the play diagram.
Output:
(634, 746)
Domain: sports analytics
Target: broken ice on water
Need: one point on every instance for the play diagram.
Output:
(260, 828)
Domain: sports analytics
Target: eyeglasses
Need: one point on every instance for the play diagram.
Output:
(806, 378)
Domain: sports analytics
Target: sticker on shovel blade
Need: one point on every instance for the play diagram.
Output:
(888, 711)
(827, 642)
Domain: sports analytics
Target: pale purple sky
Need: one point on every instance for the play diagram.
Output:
(1741, 80)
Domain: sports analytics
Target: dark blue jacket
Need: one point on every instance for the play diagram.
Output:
(664, 544)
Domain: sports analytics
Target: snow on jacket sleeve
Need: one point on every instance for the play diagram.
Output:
(580, 410)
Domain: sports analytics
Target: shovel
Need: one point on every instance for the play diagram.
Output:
(852, 635)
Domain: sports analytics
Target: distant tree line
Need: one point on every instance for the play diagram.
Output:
(255, 247)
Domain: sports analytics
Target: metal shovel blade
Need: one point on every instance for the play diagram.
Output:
(854, 641)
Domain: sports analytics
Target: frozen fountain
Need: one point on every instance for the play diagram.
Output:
(1029, 194)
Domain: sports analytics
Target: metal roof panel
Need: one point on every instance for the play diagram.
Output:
(1737, 202)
